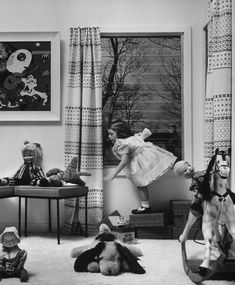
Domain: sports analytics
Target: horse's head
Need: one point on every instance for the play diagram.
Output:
(221, 164)
(217, 169)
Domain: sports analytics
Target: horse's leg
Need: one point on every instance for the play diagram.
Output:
(218, 233)
(228, 248)
(208, 234)
(231, 228)
(230, 217)
(190, 221)
(209, 223)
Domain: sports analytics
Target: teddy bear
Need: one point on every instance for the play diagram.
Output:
(12, 258)
(56, 177)
(106, 254)
(30, 172)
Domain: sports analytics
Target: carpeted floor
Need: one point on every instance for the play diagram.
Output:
(49, 263)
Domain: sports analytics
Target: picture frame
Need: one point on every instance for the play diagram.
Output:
(30, 76)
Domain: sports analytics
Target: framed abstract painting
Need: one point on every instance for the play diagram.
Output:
(29, 76)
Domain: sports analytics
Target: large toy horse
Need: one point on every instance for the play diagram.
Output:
(218, 204)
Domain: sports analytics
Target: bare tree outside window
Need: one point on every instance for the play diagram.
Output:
(142, 85)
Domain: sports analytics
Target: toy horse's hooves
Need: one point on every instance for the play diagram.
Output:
(202, 270)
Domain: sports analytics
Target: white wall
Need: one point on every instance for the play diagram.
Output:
(60, 15)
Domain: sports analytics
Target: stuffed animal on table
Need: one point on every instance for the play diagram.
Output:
(12, 258)
(30, 172)
(56, 177)
(107, 255)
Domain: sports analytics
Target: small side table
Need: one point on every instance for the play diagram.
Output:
(6, 192)
(50, 193)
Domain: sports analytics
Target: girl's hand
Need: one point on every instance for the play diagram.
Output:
(124, 160)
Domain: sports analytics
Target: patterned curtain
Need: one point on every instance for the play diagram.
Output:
(218, 108)
(83, 126)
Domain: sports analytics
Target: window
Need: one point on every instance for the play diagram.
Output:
(142, 84)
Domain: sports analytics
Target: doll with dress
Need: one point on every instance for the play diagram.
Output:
(142, 162)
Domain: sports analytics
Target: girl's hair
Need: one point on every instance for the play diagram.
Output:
(122, 129)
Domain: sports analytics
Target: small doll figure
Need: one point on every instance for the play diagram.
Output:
(142, 162)
(12, 258)
(30, 172)
(185, 169)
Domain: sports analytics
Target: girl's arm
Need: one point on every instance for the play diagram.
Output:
(124, 161)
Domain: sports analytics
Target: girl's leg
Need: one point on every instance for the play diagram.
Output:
(144, 197)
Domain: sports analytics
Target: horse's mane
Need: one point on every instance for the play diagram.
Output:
(205, 185)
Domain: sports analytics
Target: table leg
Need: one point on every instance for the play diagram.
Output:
(25, 217)
(49, 214)
(19, 217)
(58, 221)
(86, 216)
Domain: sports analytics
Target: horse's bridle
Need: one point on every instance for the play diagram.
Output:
(219, 167)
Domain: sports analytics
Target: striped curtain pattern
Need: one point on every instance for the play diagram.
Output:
(83, 126)
(218, 106)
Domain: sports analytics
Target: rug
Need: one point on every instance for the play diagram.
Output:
(49, 263)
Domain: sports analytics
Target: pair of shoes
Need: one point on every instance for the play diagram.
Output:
(141, 210)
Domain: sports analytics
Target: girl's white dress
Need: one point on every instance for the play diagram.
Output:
(148, 162)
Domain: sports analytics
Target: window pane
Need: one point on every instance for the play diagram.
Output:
(142, 85)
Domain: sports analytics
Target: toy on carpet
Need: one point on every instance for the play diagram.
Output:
(106, 254)
(30, 172)
(12, 258)
(56, 177)
(218, 224)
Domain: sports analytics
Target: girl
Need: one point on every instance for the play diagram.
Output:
(142, 162)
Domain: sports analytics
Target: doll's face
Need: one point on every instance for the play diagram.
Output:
(187, 170)
(28, 156)
(9, 240)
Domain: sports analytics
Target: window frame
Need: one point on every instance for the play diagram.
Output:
(185, 33)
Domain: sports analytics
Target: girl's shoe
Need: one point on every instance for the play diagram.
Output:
(141, 210)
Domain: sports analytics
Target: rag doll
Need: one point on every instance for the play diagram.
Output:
(12, 258)
(30, 172)
(56, 177)
(107, 255)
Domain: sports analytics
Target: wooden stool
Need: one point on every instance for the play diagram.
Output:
(50, 193)
(152, 225)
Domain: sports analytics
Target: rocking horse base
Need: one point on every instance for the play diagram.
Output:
(220, 268)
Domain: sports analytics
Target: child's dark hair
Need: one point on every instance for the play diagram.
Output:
(122, 129)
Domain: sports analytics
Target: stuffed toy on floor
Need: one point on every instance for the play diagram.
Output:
(56, 177)
(107, 255)
(12, 258)
(30, 172)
